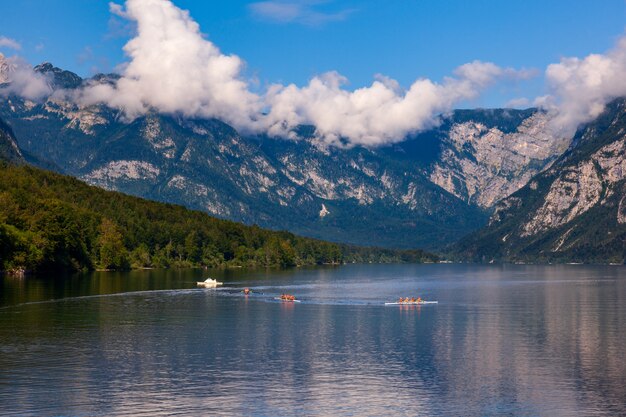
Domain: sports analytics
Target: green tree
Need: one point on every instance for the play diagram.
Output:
(211, 256)
(192, 247)
(140, 257)
(113, 253)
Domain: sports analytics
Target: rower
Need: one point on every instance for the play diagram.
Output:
(246, 291)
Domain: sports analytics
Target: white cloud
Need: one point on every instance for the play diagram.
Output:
(9, 43)
(118, 10)
(580, 88)
(21, 79)
(380, 113)
(303, 11)
(173, 68)
(518, 103)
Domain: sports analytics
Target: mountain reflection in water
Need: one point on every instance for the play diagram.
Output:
(503, 340)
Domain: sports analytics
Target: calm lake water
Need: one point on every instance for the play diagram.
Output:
(503, 340)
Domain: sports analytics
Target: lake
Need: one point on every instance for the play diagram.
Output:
(515, 340)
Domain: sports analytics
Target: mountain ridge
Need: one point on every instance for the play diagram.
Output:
(54, 222)
(575, 211)
(9, 150)
(426, 191)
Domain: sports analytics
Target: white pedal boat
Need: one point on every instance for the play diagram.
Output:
(209, 283)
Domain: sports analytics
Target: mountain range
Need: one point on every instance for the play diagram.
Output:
(427, 191)
(54, 222)
(496, 184)
(574, 211)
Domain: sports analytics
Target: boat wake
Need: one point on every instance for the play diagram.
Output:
(95, 296)
(310, 294)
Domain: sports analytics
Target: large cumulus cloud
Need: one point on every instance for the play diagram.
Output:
(580, 88)
(380, 113)
(173, 68)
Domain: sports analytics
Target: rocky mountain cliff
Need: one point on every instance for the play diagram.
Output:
(427, 191)
(6, 69)
(574, 211)
(482, 163)
(9, 150)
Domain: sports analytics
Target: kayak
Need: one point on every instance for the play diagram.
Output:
(287, 301)
(411, 303)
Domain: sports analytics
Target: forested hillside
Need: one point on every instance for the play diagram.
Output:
(54, 222)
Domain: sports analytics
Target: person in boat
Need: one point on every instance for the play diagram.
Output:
(246, 291)
(419, 299)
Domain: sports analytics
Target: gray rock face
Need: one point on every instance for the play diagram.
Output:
(6, 68)
(579, 188)
(482, 165)
(575, 210)
(9, 151)
(574, 192)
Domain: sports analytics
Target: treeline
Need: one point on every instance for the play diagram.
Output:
(54, 222)
(359, 254)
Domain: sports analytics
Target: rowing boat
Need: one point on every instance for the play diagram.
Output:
(287, 301)
(411, 303)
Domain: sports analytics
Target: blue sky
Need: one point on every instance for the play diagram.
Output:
(404, 40)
